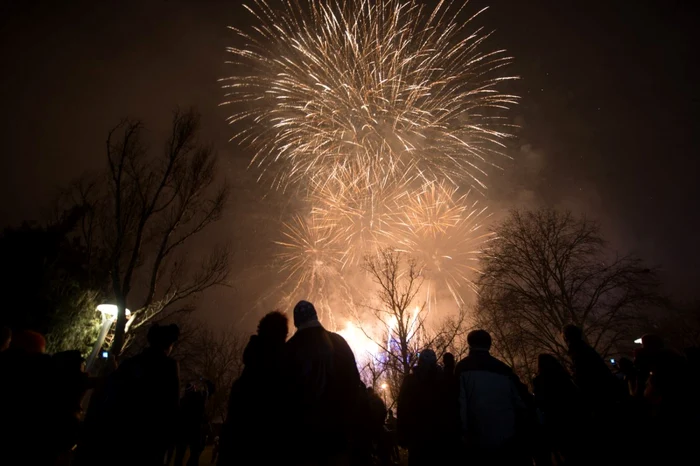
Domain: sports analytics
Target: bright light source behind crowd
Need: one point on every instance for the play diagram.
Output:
(110, 310)
(638, 341)
(364, 348)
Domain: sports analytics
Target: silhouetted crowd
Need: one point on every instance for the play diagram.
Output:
(301, 402)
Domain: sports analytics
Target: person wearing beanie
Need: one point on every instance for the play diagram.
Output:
(324, 388)
(305, 316)
(489, 404)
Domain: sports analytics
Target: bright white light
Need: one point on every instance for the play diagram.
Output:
(110, 310)
(638, 341)
(384, 386)
(362, 346)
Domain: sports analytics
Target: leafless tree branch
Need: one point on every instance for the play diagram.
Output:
(144, 209)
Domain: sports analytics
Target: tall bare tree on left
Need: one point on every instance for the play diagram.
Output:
(141, 211)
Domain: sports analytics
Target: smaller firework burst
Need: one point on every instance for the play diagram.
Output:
(358, 214)
(308, 247)
(442, 230)
(310, 255)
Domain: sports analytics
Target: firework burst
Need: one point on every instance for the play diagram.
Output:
(358, 214)
(366, 89)
(375, 112)
(444, 231)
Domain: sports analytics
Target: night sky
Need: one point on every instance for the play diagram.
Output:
(608, 118)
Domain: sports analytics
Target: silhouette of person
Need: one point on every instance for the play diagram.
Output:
(559, 401)
(392, 436)
(590, 372)
(69, 383)
(376, 417)
(490, 405)
(193, 422)
(25, 401)
(448, 364)
(628, 375)
(143, 398)
(601, 395)
(325, 389)
(423, 412)
(645, 359)
(377, 410)
(672, 398)
(248, 437)
(451, 440)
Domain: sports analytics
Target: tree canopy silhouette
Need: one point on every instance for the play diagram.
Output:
(546, 269)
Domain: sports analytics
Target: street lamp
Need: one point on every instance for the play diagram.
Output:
(109, 315)
(384, 387)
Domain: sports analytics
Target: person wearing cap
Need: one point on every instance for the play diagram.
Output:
(422, 412)
(490, 404)
(324, 388)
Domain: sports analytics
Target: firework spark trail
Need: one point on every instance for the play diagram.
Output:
(366, 89)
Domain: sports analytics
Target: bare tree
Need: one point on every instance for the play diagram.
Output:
(372, 371)
(141, 212)
(401, 311)
(214, 355)
(546, 269)
(510, 338)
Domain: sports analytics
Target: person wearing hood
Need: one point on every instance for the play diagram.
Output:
(325, 390)
(248, 436)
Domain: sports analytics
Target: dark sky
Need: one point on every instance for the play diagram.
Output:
(608, 117)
